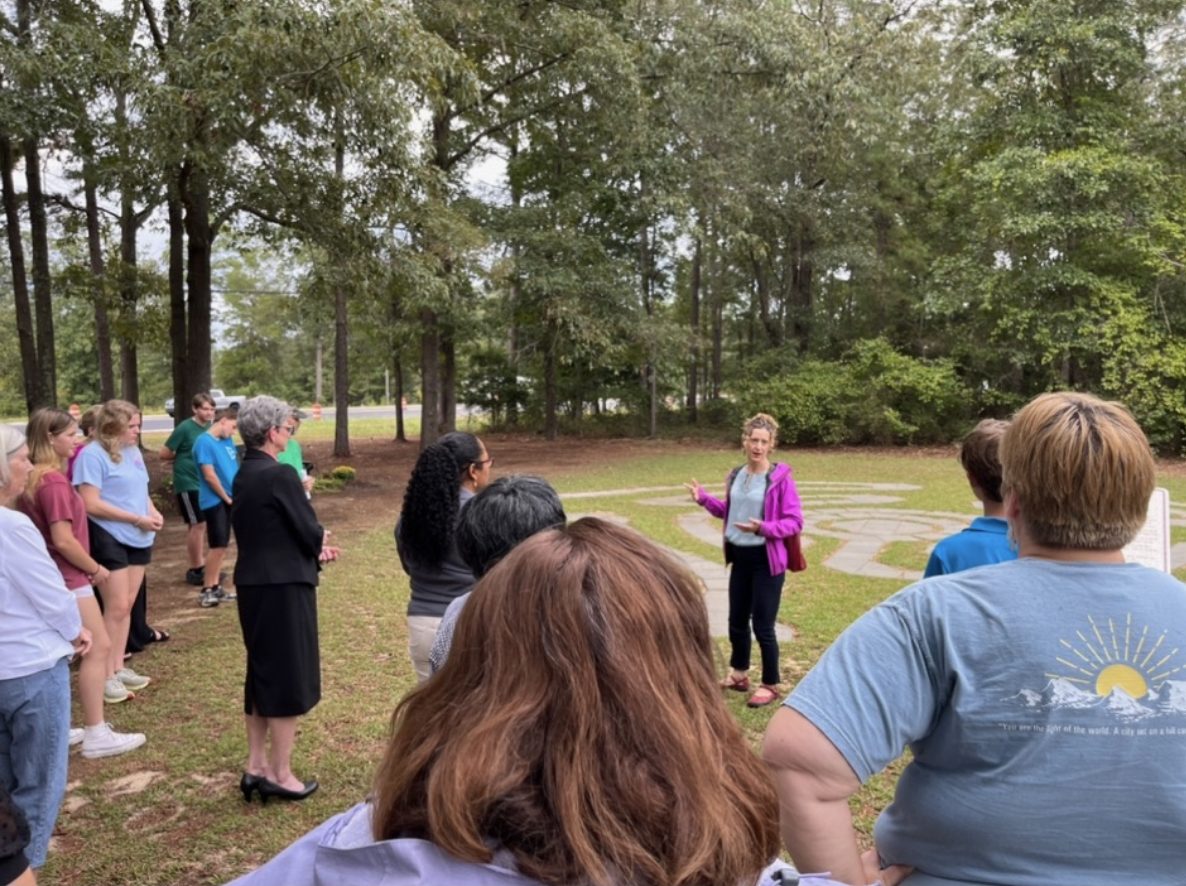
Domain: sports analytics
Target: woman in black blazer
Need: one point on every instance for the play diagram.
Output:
(281, 548)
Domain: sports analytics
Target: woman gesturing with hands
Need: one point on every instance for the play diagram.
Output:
(762, 512)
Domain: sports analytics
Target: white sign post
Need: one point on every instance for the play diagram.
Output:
(1151, 547)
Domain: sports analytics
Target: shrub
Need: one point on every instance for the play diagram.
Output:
(873, 395)
(345, 473)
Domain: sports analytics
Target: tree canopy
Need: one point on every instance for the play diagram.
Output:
(880, 219)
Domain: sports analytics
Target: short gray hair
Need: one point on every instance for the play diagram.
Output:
(259, 415)
(10, 441)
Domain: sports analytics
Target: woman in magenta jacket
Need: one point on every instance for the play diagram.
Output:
(762, 513)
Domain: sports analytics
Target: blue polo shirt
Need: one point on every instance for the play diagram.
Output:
(224, 458)
(985, 541)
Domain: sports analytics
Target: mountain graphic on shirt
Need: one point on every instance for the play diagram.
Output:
(1166, 699)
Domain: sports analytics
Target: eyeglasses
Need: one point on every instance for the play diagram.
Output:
(287, 428)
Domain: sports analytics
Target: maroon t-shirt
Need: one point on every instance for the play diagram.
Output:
(56, 501)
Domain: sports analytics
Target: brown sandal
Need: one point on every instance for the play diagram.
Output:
(763, 697)
(737, 684)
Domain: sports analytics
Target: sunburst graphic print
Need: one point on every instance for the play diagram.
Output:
(1108, 656)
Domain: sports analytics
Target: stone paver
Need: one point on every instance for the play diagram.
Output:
(716, 594)
(711, 572)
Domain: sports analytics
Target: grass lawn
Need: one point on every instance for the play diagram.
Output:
(170, 812)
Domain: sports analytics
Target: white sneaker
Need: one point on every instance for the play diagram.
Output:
(76, 737)
(114, 691)
(131, 679)
(103, 741)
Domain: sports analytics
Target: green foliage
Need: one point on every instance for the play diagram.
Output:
(598, 205)
(345, 473)
(874, 395)
(489, 383)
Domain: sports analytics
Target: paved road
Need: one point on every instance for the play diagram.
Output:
(162, 422)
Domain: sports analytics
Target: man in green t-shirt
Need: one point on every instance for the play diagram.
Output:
(179, 449)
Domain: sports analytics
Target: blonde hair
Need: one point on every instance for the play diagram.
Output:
(113, 421)
(761, 421)
(1081, 469)
(43, 424)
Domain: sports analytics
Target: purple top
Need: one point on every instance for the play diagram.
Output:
(783, 513)
(344, 850)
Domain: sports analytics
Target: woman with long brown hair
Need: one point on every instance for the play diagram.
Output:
(111, 477)
(59, 514)
(614, 761)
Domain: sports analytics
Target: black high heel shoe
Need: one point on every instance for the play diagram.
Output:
(249, 783)
(271, 789)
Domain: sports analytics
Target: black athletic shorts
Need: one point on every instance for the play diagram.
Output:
(218, 525)
(113, 554)
(187, 506)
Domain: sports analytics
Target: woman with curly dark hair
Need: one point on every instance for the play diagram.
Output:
(447, 474)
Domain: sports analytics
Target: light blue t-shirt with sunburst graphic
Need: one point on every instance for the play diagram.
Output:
(1045, 706)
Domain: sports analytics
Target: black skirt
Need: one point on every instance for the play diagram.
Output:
(279, 624)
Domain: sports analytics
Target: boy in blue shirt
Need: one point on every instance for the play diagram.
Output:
(218, 462)
(986, 540)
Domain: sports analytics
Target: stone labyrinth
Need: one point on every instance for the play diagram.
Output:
(858, 514)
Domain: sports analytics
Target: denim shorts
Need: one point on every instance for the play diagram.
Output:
(34, 744)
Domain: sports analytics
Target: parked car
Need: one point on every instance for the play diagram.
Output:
(221, 400)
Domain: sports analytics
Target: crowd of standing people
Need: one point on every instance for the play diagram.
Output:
(568, 726)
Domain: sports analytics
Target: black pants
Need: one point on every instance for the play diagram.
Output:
(139, 633)
(754, 595)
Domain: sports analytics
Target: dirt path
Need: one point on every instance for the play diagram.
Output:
(371, 502)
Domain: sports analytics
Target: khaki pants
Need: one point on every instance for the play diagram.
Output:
(422, 630)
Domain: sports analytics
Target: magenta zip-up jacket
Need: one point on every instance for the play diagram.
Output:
(781, 508)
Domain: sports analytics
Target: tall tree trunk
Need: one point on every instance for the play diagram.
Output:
(182, 396)
(694, 329)
(718, 341)
(318, 360)
(395, 314)
(129, 294)
(802, 285)
(448, 381)
(199, 245)
(511, 407)
(94, 241)
(341, 325)
(649, 371)
(30, 371)
(769, 321)
(341, 371)
(435, 418)
(516, 294)
(430, 377)
(551, 398)
(43, 306)
(398, 371)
